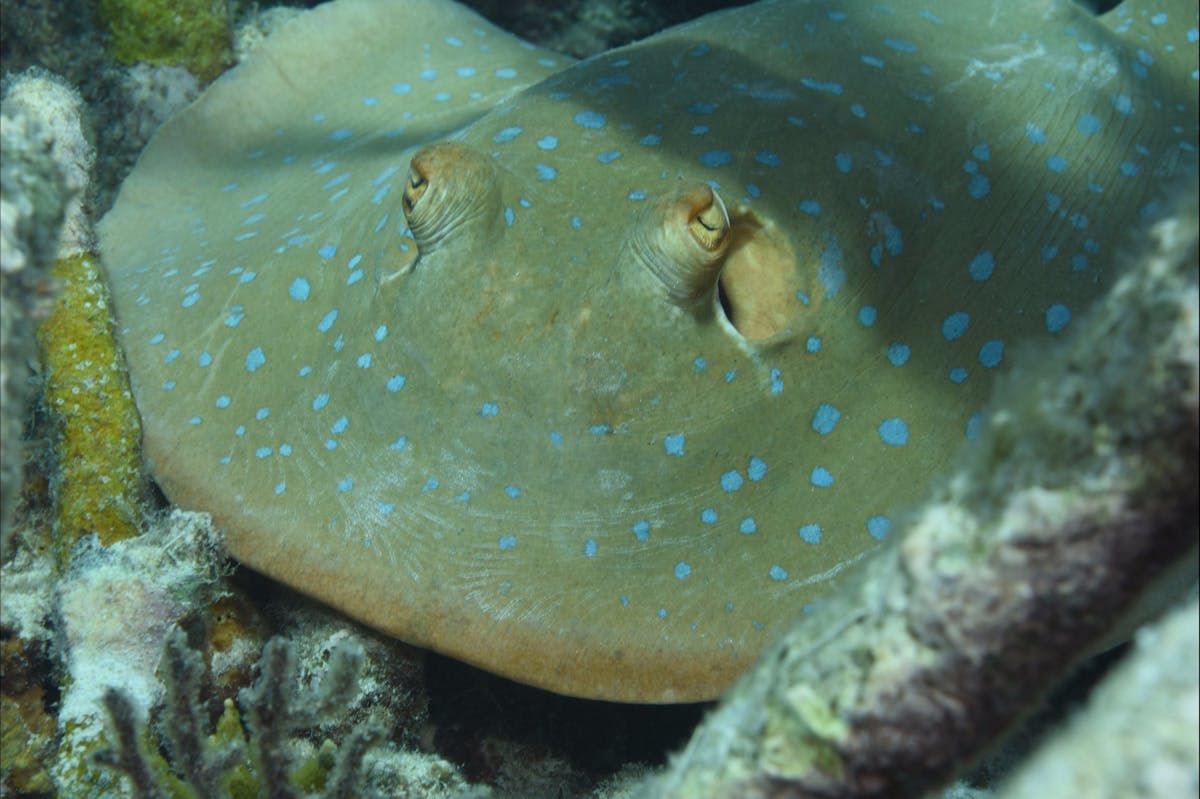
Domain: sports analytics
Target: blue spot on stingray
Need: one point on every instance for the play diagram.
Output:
(508, 542)
(600, 429)
(731, 481)
(867, 315)
(556, 438)
(637, 196)
(826, 418)
(1057, 317)
(955, 325)
(879, 527)
(204, 359)
(340, 425)
(590, 119)
(608, 156)
(327, 251)
(395, 383)
(673, 444)
(748, 526)
(381, 333)
(810, 207)
(872, 61)
(701, 108)
(299, 290)
(341, 134)
(682, 570)
(822, 85)
(320, 401)
(821, 477)
(708, 516)
(506, 72)
(810, 533)
(489, 409)
(327, 321)
(893, 432)
(507, 135)
(958, 374)
(858, 110)
(699, 364)
(590, 548)
(898, 353)
(756, 469)
(1088, 124)
(548, 142)
(812, 344)
(844, 162)
(280, 488)
(979, 187)
(1159, 19)
(651, 140)
(430, 485)
(171, 356)
(399, 444)
(991, 353)
(509, 217)
(975, 425)
(512, 491)
(776, 382)
(1053, 201)
(255, 359)
(981, 151)
(546, 172)
(1034, 133)
(641, 530)
(223, 401)
(778, 573)
(767, 158)
(715, 158)
(982, 265)
(1056, 163)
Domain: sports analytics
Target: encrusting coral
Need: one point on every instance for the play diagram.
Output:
(196, 34)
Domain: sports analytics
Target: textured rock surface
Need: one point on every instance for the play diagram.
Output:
(45, 159)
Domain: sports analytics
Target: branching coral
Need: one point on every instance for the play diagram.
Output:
(230, 764)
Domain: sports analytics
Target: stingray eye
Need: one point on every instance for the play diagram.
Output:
(702, 258)
(417, 184)
(709, 222)
(451, 196)
(681, 240)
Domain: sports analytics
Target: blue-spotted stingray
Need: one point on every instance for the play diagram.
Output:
(597, 375)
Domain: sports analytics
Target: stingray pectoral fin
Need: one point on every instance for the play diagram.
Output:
(451, 197)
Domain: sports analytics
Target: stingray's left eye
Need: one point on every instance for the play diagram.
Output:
(451, 195)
